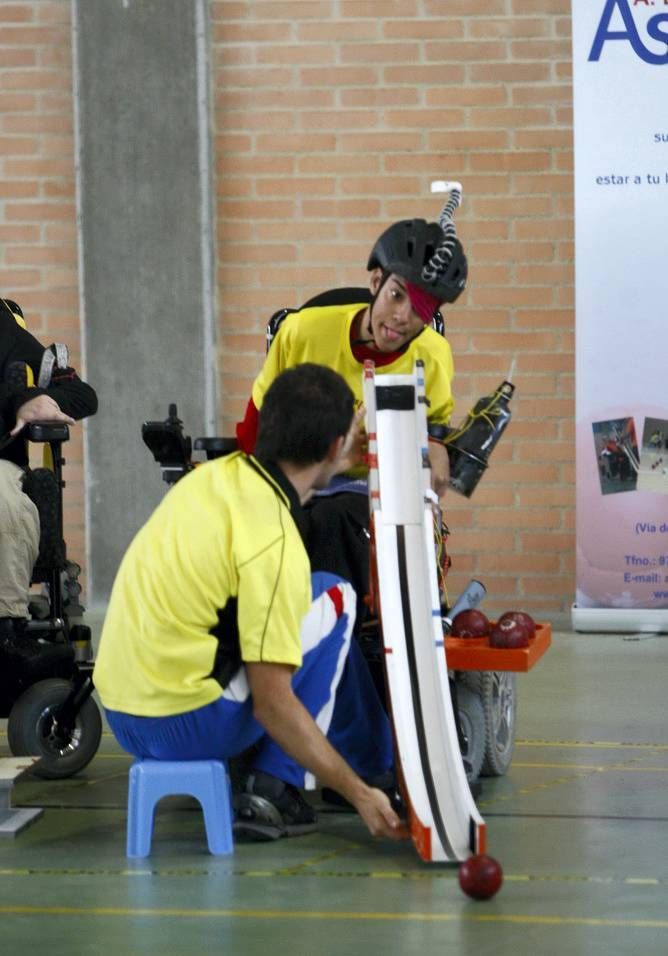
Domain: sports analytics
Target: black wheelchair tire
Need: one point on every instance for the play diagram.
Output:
(498, 693)
(472, 722)
(30, 724)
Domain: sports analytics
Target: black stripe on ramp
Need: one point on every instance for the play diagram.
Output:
(415, 694)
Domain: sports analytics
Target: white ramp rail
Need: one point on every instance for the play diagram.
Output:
(444, 820)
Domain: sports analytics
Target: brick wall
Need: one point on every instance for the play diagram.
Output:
(331, 119)
(38, 240)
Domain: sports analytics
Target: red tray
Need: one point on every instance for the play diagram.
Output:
(475, 654)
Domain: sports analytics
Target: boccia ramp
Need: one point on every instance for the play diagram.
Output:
(444, 821)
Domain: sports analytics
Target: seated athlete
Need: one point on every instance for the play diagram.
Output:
(216, 638)
(57, 396)
(415, 267)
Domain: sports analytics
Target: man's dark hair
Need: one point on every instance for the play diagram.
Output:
(305, 409)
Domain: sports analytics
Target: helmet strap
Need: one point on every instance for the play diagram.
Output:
(364, 341)
(383, 279)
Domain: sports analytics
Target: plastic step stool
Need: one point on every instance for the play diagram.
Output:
(206, 780)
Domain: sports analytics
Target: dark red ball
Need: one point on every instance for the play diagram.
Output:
(521, 616)
(470, 623)
(480, 877)
(509, 633)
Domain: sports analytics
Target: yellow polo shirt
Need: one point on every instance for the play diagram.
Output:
(217, 575)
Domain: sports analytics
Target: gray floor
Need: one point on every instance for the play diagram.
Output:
(579, 825)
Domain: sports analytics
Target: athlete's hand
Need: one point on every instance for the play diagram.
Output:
(375, 809)
(41, 408)
(355, 444)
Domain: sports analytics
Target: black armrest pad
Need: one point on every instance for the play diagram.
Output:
(47, 431)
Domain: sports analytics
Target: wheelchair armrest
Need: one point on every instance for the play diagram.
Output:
(216, 447)
(47, 431)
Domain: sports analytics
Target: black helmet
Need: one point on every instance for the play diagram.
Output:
(425, 255)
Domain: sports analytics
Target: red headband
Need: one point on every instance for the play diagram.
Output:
(423, 303)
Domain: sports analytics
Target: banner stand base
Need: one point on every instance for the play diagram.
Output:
(619, 620)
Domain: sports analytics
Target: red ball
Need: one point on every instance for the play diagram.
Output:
(521, 616)
(480, 876)
(470, 623)
(509, 633)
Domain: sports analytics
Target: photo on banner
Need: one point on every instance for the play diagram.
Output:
(616, 455)
(653, 471)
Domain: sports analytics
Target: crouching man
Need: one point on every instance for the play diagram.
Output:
(217, 638)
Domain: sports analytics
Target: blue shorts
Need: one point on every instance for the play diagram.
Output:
(333, 683)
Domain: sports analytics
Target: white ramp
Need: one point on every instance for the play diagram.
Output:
(445, 823)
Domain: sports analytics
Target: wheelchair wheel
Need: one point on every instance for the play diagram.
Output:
(32, 730)
(498, 693)
(472, 723)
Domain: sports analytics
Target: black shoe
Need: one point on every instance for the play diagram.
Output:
(23, 656)
(269, 808)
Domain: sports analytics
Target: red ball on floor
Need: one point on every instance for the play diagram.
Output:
(480, 876)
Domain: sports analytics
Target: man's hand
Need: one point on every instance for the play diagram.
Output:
(375, 809)
(41, 408)
(440, 467)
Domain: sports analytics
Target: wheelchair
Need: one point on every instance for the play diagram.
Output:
(484, 702)
(52, 714)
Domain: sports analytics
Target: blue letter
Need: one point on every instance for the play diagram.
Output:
(656, 34)
(630, 33)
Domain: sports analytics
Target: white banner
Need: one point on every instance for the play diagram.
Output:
(620, 60)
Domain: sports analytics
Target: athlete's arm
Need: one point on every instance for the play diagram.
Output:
(287, 721)
(440, 467)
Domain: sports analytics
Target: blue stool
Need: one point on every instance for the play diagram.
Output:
(206, 780)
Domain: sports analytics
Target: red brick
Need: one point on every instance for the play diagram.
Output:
(509, 27)
(40, 211)
(338, 77)
(431, 75)
(295, 143)
(466, 51)
(385, 96)
(292, 9)
(242, 98)
(467, 96)
(339, 30)
(297, 55)
(268, 77)
(427, 29)
(500, 72)
(53, 12)
(254, 32)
